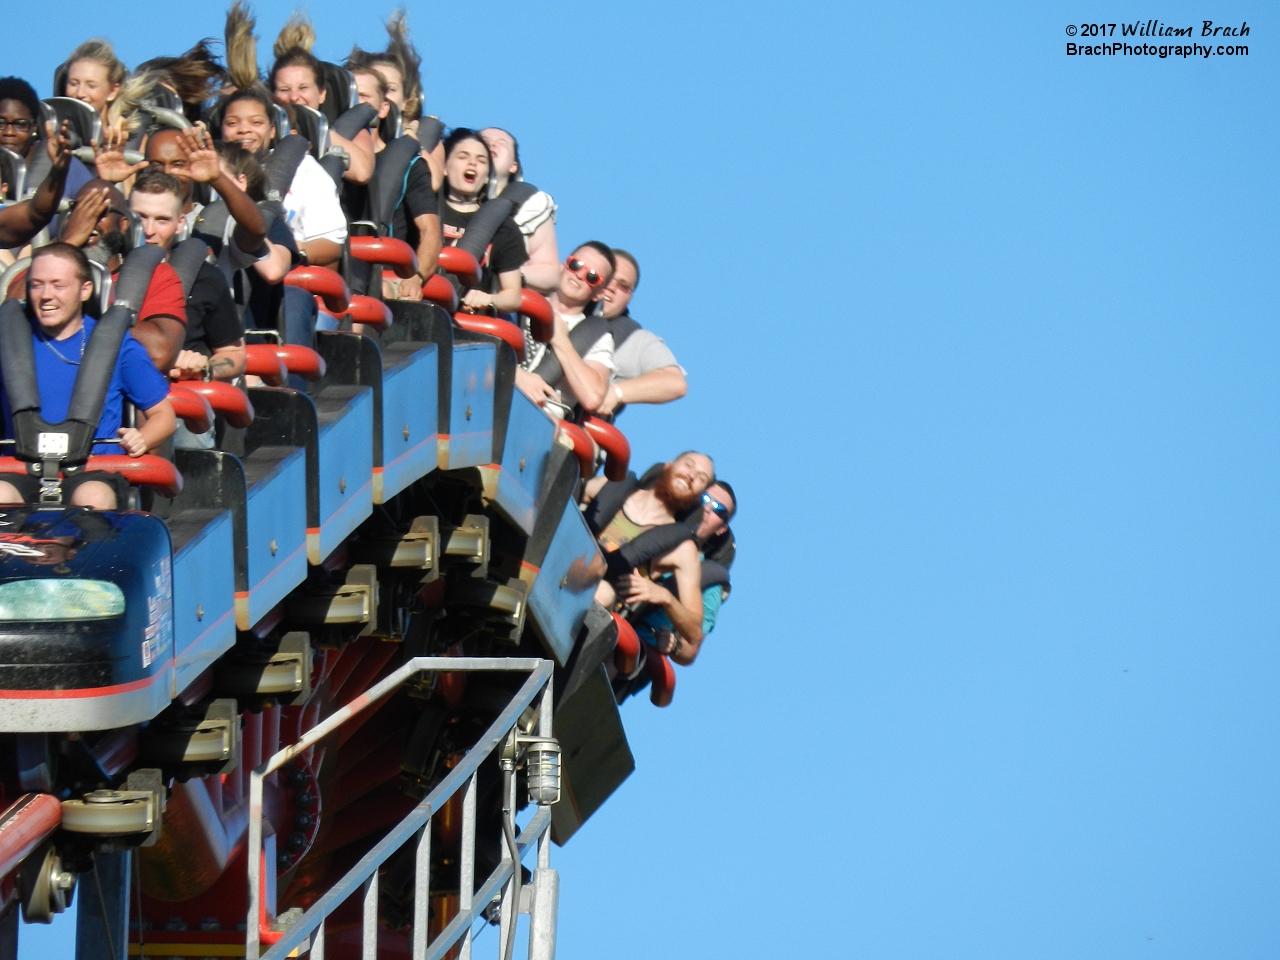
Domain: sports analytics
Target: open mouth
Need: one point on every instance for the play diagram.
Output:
(469, 176)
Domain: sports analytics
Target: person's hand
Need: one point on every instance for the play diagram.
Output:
(190, 365)
(109, 156)
(79, 225)
(477, 300)
(611, 400)
(636, 588)
(667, 642)
(534, 387)
(202, 160)
(59, 145)
(132, 442)
(410, 289)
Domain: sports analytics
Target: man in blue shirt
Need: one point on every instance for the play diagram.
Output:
(58, 285)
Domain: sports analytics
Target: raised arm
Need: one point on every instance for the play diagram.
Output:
(203, 167)
(542, 269)
(20, 222)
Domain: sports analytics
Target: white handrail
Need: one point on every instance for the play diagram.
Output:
(418, 821)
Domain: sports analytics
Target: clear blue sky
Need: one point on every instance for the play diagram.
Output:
(985, 337)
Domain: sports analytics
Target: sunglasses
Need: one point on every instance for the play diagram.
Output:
(718, 508)
(592, 278)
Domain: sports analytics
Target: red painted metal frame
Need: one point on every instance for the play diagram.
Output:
(147, 470)
(461, 264)
(583, 447)
(617, 451)
(538, 309)
(388, 252)
(191, 408)
(225, 399)
(325, 284)
(300, 360)
(503, 329)
(627, 651)
(370, 311)
(262, 361)
(662, 677)
(24, 825)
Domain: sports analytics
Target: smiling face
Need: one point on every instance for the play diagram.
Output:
(395, 83)
(161, 216)
(467, 167)
(19, 126)
(620, 290)
(55, 293)
(683, 480)
(298, 85)
(503, 149)
(574, 287)
(246, 122)
(90, 81)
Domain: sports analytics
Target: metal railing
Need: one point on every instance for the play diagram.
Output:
(539, 903)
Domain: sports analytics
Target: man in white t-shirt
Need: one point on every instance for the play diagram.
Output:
(312, 211)
(573, 369)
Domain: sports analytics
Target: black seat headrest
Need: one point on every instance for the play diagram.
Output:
(341, 94)
(13, 171)
(83, 120)
(314, 126)
(392, 125)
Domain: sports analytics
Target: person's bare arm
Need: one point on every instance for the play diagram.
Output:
(593, 487)
(680, 649)
(542, 269)
(588, 381)
(360, 150)
(428, 253)
(19, 222)
(322, 253)
(534, 387)
(227, 363)
(203, 167)
(685, 610)
(505, 300)
(435, 163)
(657, 386)
(273, 268)
(162, 337)
(157, 425)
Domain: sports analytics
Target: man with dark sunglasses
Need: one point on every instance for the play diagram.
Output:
(574, 368)
(715, 548)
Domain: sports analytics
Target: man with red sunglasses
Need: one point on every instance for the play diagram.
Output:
(574, 368)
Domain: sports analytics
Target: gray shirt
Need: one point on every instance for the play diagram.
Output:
(642, 352)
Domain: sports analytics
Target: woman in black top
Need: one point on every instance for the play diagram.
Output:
(466, 168)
